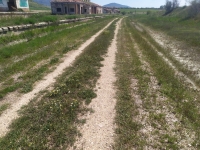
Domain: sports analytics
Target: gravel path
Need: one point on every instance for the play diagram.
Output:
(10, 114)
(98, 132)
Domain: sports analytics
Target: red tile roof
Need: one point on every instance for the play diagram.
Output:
(76, 1)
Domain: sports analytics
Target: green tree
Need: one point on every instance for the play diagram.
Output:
(194, 8)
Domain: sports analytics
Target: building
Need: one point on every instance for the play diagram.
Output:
(75, 7)
(14, 5)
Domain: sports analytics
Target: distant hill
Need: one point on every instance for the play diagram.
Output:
(43, 2)
(116, 5)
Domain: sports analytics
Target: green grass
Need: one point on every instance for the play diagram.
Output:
(35, 6)
(68, 39)
(51, 122)
(139, 10)
(171, 86)
(40, 17)
(175, 62)
(181, 30)
(186, 30)
(180, 100)
(3, 108)
(34, 33)
(126, 109)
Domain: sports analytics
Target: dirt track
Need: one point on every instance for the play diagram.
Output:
(161, 125)
(10, 114)
(98, 132)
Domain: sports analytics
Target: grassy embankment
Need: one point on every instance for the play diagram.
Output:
(25, 63)
(34, 33)
(180, 100)
(51, 122)
(35, 6)
(179, 27)
(138, 10)
(176, 25)
(36, 18)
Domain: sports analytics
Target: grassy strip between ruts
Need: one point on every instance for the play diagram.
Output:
(50, 122)
(128, 67)
(184, 99)
(27, 80)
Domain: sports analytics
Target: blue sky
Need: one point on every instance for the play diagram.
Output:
(137, 3)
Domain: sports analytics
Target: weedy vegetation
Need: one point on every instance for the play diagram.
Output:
(35, 6)
(155, 109)
(177, 25)
(34, 33)
(3, 108)
(128, 65)
(36, 18)
(37, 56)
(51, 122)
(134, 85)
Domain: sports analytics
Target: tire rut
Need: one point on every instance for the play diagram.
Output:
(98, 132)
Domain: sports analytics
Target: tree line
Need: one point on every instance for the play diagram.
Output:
(193, 11)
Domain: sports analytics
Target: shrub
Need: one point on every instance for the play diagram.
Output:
(123, 12)
(148, 12)
(170, 6)
(194, 8)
